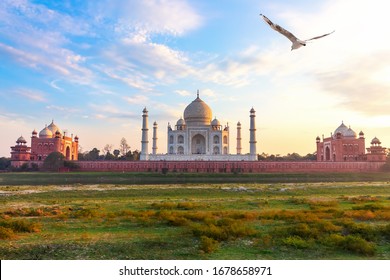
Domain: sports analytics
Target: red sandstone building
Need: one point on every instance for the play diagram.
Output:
(50, 139)
(345, 146)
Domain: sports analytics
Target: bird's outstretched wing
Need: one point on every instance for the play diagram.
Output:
(318, 37)
(281, 30)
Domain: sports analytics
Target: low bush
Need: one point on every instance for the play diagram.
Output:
(6, 233)
(363, 230)
(358, 245)
(297, 242)
(208, 245)
(21, 225)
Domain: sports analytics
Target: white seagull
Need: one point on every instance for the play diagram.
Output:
(296, 43)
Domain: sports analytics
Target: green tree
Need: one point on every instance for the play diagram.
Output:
(91, 155)
(5, 163)
(54, 161)
(109, 156)
(116, 153)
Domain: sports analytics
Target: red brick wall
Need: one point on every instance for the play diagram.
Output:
(229, 166)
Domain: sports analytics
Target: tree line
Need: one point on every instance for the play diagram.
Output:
(109, 153)
(288, 157)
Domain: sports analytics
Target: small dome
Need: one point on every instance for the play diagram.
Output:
(238, 124)
(34, 132)
(198, 113)
(350, 133)
(45, 133)
(181, 122)
(318, 139)
(54, 128)
(341, 129)
(375, 141)
(344, 131)
(21, 140)
(215, 122)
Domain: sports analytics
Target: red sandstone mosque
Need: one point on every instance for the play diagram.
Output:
(50, 139)
(344, 145)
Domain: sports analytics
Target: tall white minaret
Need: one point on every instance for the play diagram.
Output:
(154, 147)
(252, 133)
(238, 138)
(144, 142)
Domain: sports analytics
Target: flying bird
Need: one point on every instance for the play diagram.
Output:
(296, 43)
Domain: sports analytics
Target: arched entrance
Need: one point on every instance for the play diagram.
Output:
(327, 154)
(68, 153)
(198, 145)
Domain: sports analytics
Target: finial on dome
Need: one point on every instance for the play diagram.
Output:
(197, 93)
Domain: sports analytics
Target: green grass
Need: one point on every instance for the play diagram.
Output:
(327, 220)
(47, 178)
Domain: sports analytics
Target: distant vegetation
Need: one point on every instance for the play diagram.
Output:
(288, 157)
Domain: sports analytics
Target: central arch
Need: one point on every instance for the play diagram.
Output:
(68, 153)
(198, 144)
(327, 153)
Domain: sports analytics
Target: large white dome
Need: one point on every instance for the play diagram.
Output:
(197, 113)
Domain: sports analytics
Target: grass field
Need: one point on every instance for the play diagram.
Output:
(293, 220)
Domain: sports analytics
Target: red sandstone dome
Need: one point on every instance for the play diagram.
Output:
(21, 140)
(197, 113)
(375, 141)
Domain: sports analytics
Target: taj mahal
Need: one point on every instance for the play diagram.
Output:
(198, 137)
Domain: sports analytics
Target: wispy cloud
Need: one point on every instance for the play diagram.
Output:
(183, 92)
(33, 95)
(137, 99)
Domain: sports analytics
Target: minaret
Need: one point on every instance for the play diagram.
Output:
(154, 147)
(238, 138)
(144, 142)
(252, 132)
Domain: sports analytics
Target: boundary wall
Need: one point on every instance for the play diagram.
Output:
(229, 166)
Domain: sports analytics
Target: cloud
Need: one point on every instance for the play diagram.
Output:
(359, 85)
(145, 18)
(36, 37)
(33, 95)
(137, 99)
(111, 112)
(183, 92)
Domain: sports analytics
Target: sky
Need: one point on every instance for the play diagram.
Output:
(92, 66)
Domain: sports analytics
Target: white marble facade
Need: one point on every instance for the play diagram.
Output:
(197, 137)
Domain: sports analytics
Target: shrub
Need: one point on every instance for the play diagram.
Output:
(360, 229)
(296, 242)
(303, 230)
(6, 233)
(385, 231)
(21, 225)
(358, 245)
(164, 205)
(173, 219)
(362, 215)
(86, 213)
(208, 245)
(370, 206)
